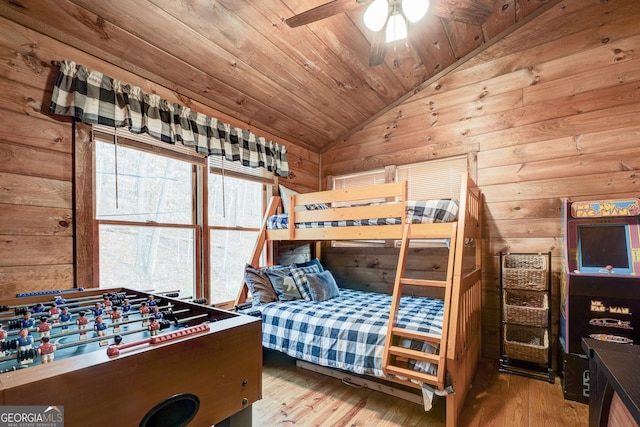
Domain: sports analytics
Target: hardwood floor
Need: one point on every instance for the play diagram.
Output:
(295, 396)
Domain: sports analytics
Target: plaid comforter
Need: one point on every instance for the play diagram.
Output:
(347, 332)
(418, 212)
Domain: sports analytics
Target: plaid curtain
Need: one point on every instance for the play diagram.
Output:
(95, 98)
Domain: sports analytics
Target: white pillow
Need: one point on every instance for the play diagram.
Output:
(284, 194)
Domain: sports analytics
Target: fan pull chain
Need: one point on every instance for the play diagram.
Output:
(115, 145)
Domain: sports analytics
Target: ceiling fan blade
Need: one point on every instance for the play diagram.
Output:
(474, 12)
(323, 11)
(378, 47)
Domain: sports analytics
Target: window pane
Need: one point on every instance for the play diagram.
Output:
(435, 179)
(230, 251)
(149, 187)
(242, 206)
(145, 258)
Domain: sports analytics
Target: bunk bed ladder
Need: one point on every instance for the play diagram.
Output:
(395, 356)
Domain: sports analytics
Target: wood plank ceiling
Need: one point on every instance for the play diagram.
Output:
(311, 85)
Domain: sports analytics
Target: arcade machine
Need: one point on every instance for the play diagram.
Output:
(600, 283)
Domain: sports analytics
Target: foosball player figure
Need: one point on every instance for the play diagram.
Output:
(65, 316)
(157, 314)
(154, 326)
(38, 308)
(82, 321)
(27, 321)
(3, 336)
(106, 303)
(100, 327)
(126, 308)
(116, 317)
(46, 350)
(151, 301)
(54, 313)
(25, 343)
(44, 328)
(144, 309)
(97, 310)
(60, 300)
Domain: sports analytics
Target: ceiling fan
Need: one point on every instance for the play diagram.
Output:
(392, 16)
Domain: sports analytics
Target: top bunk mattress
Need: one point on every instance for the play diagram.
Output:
(418, 212)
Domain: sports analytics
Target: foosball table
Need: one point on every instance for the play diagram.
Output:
(124, 357)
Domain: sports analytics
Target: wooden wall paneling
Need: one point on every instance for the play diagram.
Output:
(563, 147)
(581, 165)
(34, 191)
(25, 160)
(540, 42)
(34, 278)
(38, 132)
(35, 220)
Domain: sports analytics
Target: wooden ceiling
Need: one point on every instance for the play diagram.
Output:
(311, 85)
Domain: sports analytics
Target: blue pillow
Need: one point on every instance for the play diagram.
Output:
(315, 261)
(322, 286)
(283, 284)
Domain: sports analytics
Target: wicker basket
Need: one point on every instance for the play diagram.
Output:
(529, 272)
(526, 307)
(526, 343)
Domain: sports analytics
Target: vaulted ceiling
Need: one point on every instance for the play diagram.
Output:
(311, 85)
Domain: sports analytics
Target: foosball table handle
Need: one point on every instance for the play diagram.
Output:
(114, 349)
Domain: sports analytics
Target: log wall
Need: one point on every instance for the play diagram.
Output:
(36, 160)
(549, 112)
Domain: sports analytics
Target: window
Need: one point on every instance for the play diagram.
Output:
(146, 228)
(235, 216)
(151, 208)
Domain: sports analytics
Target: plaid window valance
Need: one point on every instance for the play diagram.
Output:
(95, 98)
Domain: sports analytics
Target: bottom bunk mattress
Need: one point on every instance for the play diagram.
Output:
(349, 332)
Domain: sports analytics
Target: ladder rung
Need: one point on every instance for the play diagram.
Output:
(414, 354)
(417, 335)
(414, 375)
(423, 282)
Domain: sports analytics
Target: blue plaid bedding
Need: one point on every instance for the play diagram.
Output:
(347, 332)
(418, 212)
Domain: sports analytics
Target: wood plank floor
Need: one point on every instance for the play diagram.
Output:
(295, 396)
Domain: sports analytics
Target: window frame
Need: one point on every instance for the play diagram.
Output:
(86, 244)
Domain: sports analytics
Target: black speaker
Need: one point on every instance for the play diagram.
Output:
(176, 411)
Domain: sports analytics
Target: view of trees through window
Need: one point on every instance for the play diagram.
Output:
(235, 215)
(148, 229)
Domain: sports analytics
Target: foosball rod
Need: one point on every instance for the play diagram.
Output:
(114, 325)
(94, 298)
(22, 309)
(114, 349)
(74, 310)
(84, 341)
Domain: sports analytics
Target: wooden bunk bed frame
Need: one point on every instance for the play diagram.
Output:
(460, 345)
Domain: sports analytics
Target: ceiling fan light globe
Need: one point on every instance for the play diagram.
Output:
(414, 10)
(396, 28)
(376, 15)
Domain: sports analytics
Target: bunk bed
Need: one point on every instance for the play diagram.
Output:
(448, 349)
